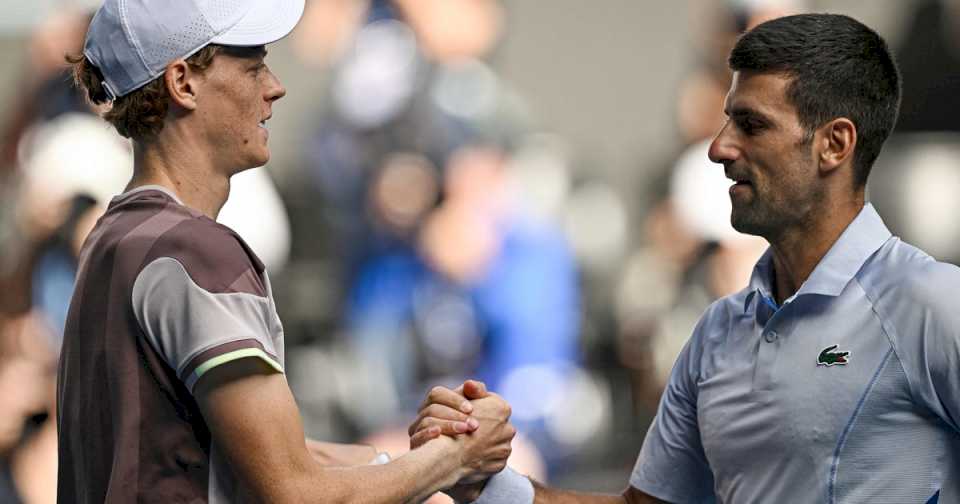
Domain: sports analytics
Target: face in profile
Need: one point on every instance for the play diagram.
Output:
(236, 104)
(766, 152)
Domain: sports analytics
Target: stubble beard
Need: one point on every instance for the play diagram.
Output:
(772, 218)
(754, 218)
(770, 215)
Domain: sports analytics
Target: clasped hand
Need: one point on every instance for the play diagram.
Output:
(478, 421)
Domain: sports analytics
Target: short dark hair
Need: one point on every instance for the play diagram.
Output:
(839, 68)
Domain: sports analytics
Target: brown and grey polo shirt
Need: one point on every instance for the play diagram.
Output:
(163, 295)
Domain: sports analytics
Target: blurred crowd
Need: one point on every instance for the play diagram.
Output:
(431, 230)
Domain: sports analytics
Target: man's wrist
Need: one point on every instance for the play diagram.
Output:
(505, 487)
(466, 492)
(450, 457)
(380, 459)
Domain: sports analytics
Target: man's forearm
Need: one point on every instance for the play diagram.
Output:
(513, 488)
(341, 455)
(410, 478)
(546, 495)
(253, 419)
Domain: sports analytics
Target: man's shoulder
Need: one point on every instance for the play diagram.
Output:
(197, 236)
(911, 291)
(211, 254)
(904, 272)
(718, 317)
(917, 299)
(150, 225)
(730, 305)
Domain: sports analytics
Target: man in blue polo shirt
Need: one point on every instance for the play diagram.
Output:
(835, 375)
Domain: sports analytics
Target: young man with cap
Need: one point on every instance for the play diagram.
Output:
(835, 375)
(171, 385)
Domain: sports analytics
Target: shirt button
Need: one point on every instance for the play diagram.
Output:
(770, 337)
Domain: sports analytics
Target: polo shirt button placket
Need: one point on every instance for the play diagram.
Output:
(766, 357)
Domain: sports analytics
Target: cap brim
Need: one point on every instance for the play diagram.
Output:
(266, 22)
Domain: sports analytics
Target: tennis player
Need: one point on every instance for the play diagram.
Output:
(171, 384)
(834, 376)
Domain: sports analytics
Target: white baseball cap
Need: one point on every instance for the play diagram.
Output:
(133, 41)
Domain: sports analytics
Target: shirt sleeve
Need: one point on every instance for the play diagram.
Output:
(672, 465)
(194, 329)
(926, 337)
(507, 487)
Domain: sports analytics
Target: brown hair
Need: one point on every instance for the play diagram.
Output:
(138, 115)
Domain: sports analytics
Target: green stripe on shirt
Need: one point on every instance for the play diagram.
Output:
(234, 355)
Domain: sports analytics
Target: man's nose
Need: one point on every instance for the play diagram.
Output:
(723, 149)
(276, 90)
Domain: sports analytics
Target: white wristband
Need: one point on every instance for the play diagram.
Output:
(507, 487)
(381, 458)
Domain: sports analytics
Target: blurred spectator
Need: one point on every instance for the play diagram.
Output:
(481, 293)
(36, 274)
(448, 272)
(693, 258)
(916, 179)
(915, 183)
(691, 255)
(929, 59)
(28, 454)
(699, 112)
(44, 91)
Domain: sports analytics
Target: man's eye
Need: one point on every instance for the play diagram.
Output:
(749, 126)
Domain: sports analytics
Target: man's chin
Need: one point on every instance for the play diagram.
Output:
(747, 224)
(253, 162)
(260, 159)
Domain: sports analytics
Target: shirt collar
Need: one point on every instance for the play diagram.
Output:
(864, 236)
(150, 187)
(760, 279)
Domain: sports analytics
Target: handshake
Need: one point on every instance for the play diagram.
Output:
(475, 423)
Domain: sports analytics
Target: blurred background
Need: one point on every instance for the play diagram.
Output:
(514, 191)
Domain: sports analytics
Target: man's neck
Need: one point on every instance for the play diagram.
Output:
(797, 252)
(185, 171)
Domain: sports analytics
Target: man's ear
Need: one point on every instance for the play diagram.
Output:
(181, 83)
(838, 139)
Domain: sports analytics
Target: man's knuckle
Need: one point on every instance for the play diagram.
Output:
(415, 426)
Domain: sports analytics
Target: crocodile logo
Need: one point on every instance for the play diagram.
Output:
(828, 357)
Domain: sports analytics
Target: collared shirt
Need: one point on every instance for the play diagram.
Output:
(848, 392)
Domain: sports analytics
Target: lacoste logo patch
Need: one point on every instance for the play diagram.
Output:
(828, 357)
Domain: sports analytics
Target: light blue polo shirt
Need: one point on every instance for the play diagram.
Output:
(848, 393)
